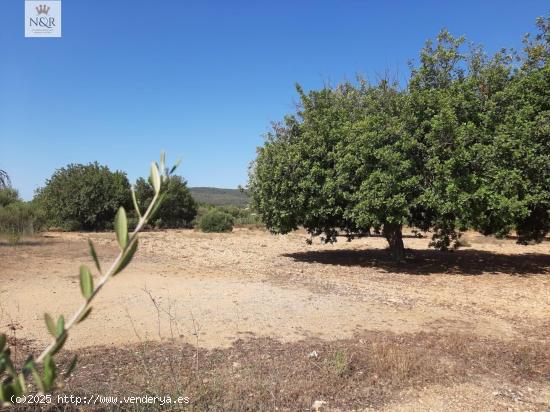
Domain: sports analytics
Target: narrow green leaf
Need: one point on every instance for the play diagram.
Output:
(60, 327)
(162, 161)
(136, 207)
(86, 282)
(94, 255)
(72, 365)
(121, 228)
(3, 365)
(6, 393)
(59, 344)
(18, 386)
(175, 166)
(28, 365)
(127, 257)
(3, 341)
(3, 395)
(48, 376)
(6, 363)
(155, 177)
(22, 383)
(85, 314)
(50, 324)
(38, 380)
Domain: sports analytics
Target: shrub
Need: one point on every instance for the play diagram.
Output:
(340, 363)
(216, 221)
(8, 195)
(84, 197)
(241, 215)
(178, 209)
(16, 219)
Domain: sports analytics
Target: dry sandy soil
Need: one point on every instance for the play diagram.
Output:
(217, 291)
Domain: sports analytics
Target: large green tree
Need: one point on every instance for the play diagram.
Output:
(464, 145)
(83, 197)
(342, 164)
(520, 157)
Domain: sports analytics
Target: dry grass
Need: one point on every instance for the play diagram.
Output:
(368, 371)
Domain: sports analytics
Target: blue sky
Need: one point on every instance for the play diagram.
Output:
(204, 79)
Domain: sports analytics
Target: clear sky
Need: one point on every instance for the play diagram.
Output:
(203, 79)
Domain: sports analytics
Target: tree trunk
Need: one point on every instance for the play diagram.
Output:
(392, 233)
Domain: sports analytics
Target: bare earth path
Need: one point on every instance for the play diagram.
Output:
(216, 288)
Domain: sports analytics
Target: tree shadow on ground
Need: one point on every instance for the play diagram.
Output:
(426, 262)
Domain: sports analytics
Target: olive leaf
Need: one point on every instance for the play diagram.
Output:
(50, 324)
(136, 207)
(60, 327)
(127, 257)
(85, 315)
(86, 282)
(94, 255)
(121, 228)
(49, 374)
(155, 177)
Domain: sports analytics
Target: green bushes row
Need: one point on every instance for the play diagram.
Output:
(87, 197)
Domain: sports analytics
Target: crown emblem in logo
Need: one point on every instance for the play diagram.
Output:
(42, 9)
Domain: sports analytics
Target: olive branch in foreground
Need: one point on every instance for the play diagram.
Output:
(42, 368)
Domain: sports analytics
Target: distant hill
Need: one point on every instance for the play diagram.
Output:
(219, 197)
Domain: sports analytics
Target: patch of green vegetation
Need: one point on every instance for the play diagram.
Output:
(220, 197)
(242, 216)
(17, 218)
(215, 220)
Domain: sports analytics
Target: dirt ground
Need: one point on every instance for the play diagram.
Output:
(215, 291)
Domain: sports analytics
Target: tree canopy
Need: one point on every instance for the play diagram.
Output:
(466, 144)
(83, 197)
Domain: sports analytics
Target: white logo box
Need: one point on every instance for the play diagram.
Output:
(43, 18)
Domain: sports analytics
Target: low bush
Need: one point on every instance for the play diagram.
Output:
(17, 219)
(216, 221)
(8, 195)
(242, 216)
